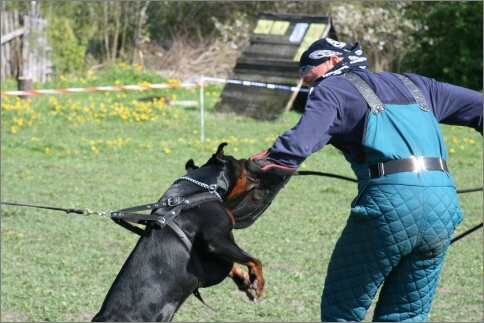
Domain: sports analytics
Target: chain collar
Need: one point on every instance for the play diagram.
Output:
(212, 188)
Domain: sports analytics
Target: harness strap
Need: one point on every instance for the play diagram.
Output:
(198, 264)
(175, 205)
(414, 90)
(370, 97)
(128, 226)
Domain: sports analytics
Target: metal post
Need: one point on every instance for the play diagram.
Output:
(202, 111)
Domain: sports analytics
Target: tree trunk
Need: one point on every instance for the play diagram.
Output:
(117, 17)
(106, 30)
(139, 25)
(125, 28)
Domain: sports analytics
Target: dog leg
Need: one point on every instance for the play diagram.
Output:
(230, 251)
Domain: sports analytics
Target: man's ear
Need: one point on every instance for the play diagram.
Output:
(335, 59)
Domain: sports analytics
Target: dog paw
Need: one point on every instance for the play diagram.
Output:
(254, 290)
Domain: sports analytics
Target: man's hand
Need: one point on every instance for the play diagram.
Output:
(262, 165)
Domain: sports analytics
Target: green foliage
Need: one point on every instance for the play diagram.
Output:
(448, 46)
(67, 54)
(440, 39)
(106, 151)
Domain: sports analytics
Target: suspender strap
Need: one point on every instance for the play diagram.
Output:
(416, 93)
(370, 97)
(374, 102)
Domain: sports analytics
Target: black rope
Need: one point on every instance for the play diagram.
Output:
(310, 172)
(462, 235)
(477, 189)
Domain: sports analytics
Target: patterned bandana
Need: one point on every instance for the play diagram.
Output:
(321, 50)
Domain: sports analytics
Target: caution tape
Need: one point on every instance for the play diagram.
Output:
(152, 87)
(100, 89)
(257, 84)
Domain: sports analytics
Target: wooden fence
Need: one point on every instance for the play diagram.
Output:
(11, 44)
(24, 48)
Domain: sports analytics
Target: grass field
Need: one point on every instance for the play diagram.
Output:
(107, 151)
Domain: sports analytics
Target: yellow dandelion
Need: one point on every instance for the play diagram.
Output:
(452, 151)
(168, 151)
(47, 150)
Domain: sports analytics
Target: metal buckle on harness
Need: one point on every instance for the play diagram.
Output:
(173, 201)
(161, 221)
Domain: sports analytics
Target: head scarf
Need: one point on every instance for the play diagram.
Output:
(322, 49)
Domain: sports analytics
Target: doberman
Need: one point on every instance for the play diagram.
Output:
(164, 268)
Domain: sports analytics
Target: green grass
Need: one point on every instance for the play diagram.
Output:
(104, 152)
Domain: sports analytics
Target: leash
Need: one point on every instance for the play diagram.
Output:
(85, 212)
(175, 206)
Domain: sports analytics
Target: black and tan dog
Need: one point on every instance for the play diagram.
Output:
(161, 272)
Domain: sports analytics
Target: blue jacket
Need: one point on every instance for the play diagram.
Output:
(335, 111)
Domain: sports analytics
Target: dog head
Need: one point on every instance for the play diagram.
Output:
(229, 173)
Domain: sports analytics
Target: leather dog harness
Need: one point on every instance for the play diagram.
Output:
(173, 206)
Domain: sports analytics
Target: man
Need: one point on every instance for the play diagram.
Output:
(406, 210)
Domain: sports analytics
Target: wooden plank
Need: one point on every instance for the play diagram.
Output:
(11, 35)
(3, 53)
(272, 57)
(16, 49)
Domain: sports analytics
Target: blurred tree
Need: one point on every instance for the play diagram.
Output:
(381, 28)
(448, 44)
(439, 39)
(67, 53)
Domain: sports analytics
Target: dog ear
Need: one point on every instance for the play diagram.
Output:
(190, 165)
(220, 151)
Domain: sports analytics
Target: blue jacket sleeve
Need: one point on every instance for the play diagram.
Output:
(452, 105)
(320, 119)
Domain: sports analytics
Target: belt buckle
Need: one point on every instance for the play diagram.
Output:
(381, 169)
(418, 164)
